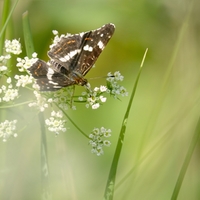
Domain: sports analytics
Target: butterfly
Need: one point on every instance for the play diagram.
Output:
(71, 57)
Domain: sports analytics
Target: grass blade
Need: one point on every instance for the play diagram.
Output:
(27, 35)
(109, 191)
(182, 173)
(5, 19)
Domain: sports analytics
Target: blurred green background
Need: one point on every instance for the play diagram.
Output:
(164, 113)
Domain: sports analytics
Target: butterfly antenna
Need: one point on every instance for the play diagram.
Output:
(97, 77)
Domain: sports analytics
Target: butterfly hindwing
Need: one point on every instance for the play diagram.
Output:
(47, 78)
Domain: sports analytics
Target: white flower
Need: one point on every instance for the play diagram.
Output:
(13, 46)
(34, 55)
(3, 68)
(23, 80)
(102, 98)
(107, 133)
(96, 131)
(96, 89)
(95, 106)
(94, 98)
(24, 64)
(118, 76)
(41, 102)
(9, 93)
(9, 80)
(3, 87)
(7, 129)
(1, 58)
(59, 114)
(7, 57)
(3, 64)
(55, 32)
(80, 98)
(99, 151)
(106, 143)
(113, 87)
(55, 123)
(97, 140)
(103, 88)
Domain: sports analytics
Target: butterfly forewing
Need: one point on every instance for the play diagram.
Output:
(71, 58)
(92, 47)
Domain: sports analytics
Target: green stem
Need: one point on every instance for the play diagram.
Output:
(72, 122)
(15, 105)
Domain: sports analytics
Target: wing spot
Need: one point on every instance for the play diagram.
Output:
(69, 56)
(88, 48)
(53, 83)
(101, 45)
(50, 73)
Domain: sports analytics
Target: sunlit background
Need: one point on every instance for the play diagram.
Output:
(164, 112)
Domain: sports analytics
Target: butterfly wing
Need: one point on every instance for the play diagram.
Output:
(47, 78)
(92, 46)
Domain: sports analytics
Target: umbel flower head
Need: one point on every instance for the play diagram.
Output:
(13, 46)
(55, 123)
(7, 129)
(113, 87)
(98, 139)
(93, 98)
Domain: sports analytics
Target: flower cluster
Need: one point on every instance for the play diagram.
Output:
(3, 63)
(63, 98)
(7, 129)
(55, 123)
(98, 139)
(41, 102)
(13, 46)
(8, 93)
(113, 87)
(24, 64)
(94, 98)
(23, 80)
